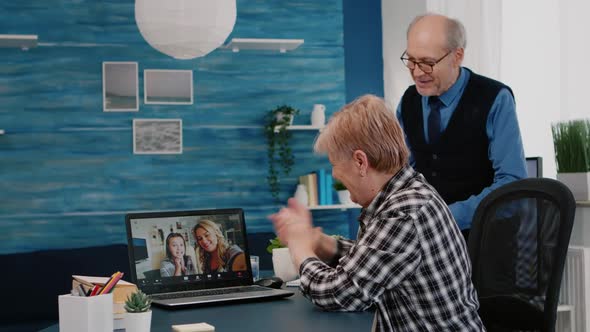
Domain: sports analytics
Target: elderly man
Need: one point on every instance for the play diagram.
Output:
(409, 259)
(461, 128)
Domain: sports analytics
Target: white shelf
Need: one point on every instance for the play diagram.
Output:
(281, 45)
(22, 41)
(301, 127)
(335, 207)
(305, 127)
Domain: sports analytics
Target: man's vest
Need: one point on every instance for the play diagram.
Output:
(457, 165)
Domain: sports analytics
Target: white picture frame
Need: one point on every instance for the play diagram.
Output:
(157, 136)
(170, 87)
(120, 87)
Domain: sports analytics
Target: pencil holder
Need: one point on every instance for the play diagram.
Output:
(91, 314)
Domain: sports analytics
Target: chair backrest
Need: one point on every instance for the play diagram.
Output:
(518, 246)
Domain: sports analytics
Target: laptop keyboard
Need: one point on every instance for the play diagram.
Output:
(208, 292)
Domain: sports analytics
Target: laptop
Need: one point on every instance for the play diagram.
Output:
(193, 257)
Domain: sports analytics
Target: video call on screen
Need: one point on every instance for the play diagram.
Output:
(168, 250)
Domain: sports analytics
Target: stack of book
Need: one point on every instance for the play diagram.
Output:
(319, 187)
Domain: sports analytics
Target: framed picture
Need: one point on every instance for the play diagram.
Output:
(157, 136)
(168, 86)
(120, 91)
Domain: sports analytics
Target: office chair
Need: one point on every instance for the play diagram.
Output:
(518, 245)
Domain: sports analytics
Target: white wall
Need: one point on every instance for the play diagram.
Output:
(540, 55)
(396, 15)
(575, 51)
(531, 66)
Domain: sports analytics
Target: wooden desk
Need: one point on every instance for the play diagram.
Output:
(292, 314)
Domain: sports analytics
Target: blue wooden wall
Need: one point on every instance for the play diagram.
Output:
(67, 171)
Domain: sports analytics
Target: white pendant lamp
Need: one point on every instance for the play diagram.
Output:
(185, 29)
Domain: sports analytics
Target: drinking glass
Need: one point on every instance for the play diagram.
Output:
(254, 262)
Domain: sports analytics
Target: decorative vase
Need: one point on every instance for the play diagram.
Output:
(138, 321)
(344, 197)
(301, 194)
(318, 116)
(283, 265)
(578, 183)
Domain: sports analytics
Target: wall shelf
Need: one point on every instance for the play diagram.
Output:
(24, 42)
(305, 127)
(301, 127)
(281, 45)
(335, 207)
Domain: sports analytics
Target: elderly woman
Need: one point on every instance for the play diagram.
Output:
(213, 252)
(409, 259)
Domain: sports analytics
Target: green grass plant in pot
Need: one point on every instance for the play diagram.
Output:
(571, 140)
(278, 139)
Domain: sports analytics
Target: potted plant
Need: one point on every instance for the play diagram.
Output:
(343, 193)
(571, 140)
(281, 260)
(279, 150)
(282, 264)
(274, 243)
(139, 316)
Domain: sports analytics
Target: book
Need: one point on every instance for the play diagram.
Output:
(313, 183)
(310, 182)
(322, 187)
(329, 191)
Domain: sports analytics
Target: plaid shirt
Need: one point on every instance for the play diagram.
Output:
(409, 260)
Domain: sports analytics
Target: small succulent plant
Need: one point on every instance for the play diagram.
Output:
(138, 302)
(274, 243)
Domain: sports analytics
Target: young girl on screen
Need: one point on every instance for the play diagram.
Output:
(176, 262)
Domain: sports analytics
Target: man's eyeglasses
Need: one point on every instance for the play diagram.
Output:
(425, 66)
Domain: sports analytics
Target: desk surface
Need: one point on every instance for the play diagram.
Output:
(294, 313)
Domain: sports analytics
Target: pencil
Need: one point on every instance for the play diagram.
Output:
(109, 284)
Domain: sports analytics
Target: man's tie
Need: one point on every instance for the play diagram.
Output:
(434, 119)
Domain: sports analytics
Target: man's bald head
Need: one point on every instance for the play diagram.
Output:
(453, 31)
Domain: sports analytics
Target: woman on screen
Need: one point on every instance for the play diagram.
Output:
(176, 262)
(213, 252)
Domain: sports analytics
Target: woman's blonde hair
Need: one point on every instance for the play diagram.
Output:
(367, 124)
(222, 244)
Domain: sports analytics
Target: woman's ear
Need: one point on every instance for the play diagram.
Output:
(361, 162)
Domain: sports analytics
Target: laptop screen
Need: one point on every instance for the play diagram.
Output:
(184, 250)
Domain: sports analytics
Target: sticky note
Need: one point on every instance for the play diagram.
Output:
(197, 327)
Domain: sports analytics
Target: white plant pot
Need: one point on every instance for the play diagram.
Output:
(578, 183)
(138, 321)
(344, 197)
(288, 117)
(283, 265)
